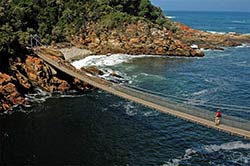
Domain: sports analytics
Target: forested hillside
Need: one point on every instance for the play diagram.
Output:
(57, 20)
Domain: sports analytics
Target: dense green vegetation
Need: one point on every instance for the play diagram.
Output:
(57, 20)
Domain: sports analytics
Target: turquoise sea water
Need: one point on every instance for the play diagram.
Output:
(97, 128)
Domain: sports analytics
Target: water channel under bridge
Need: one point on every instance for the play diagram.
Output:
(230, 124)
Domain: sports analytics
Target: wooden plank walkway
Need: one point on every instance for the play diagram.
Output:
(129, 94)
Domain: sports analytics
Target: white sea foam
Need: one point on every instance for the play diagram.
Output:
(69, 96)
(244, 46)
(151, 113)
(39, 96)
(130, 109)
(215, 32)
(108, 75)
(227, 146)
(154, 77)
(127, 106)
(170, 17)
(188, 155)
(239, 21)
(106, 60)
(202, 92)
(235, 156)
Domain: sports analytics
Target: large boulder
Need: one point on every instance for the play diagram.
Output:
(9, 95)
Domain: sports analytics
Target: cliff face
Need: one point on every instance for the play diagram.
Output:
(9, 94)
(30, 73)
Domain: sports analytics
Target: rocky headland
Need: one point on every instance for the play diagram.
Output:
(134, 38)
(208, 40)
(147, 38)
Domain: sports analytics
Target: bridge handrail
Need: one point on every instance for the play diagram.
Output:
(195, 102)
(205, 114)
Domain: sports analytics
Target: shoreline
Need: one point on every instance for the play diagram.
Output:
(31, 72)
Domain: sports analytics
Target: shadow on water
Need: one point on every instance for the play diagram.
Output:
(97, 130)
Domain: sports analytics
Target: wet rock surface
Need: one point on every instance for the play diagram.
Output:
(32, 72)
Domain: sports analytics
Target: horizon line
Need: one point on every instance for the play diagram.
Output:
(205, 11)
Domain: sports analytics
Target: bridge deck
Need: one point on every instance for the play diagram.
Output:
(150, 100)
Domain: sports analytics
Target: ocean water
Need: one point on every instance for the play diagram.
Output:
(97, 128)
(219, 22)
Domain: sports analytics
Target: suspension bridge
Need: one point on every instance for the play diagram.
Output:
(229, 124)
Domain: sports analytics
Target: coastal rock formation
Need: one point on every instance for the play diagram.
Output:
(137, 38)
(9, 94)
(208, 40)
(147, 38)
(33, 72)
(49, 79)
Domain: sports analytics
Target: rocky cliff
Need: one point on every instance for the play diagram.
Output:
(29, 73)
(135, 38)
(144, 37)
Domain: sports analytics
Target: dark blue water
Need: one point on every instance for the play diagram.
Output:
(100, 129)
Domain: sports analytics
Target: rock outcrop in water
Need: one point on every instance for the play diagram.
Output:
(208, 40)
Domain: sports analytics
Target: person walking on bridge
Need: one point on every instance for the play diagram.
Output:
(217, 118)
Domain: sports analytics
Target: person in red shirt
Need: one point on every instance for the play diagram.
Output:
(217, 117)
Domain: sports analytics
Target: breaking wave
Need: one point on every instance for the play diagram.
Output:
(170, 17)
(106, 60)
(38, 96)
(227, 146)
(131, 109)
(244, 46)
(215, 32)
(213, 153)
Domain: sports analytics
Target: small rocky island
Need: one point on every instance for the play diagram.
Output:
(99, 26)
